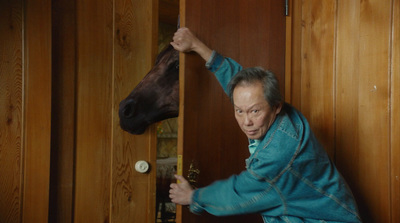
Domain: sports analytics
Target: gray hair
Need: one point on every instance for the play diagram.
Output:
(257, 74)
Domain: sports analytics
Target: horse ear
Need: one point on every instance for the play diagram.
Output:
(178, 22)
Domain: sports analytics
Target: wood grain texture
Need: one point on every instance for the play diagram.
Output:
(135, 48)
(11, 84)
(208, 131)
(288, 53)
(317, 85)
(296, 54)
(395, 113)
(37, 110)
(365, 141)
(354, 49)
(94, 111)
(348, 93)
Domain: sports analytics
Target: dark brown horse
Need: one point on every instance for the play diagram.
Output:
(155, 98)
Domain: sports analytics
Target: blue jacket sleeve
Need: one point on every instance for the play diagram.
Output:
(224, 69)
(228, 197)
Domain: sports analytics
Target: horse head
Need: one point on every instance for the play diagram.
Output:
(155, 98)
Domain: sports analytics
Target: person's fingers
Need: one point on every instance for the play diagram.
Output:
(171, 194)
(174, 45)
(181, 179)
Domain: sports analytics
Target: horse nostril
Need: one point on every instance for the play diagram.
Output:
(128, 111)
(127, 108)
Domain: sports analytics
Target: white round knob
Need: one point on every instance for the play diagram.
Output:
(142, 166)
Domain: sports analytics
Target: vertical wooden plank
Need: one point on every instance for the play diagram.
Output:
(361, 106)
(363, 103)
(135, 48)
(296, 55)
(94, 110)
(181, 127)
(373, 113)
(317, 81)
(395, 113)
(347, 95)
(63, 111)
(11, 76)
(37, 110)
(288, 54)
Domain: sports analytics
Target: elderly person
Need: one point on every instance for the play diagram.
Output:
(288, 177)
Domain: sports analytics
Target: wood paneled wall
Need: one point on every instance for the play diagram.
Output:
(102, 49)
(25, 110)
(345, 79)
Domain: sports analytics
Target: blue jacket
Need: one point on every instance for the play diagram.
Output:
(288, 178)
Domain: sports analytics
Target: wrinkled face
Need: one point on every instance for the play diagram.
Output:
(252, 111)
(155, 98)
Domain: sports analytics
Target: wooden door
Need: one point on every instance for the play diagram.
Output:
(102, 49)
(250, 32)
(116, 48)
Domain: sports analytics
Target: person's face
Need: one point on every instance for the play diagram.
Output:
(252, 111)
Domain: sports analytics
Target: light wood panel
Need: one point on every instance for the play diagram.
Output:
(135, 47)
(25, 100)
(395, 113)
(94, 101)
(317, 86)
(11, 110)
(363, 102)
(348, 77)
(37, 110)
(347, 73)
(117, 44)
(101, 51)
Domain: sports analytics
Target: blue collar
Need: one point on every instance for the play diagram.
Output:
(253, 143)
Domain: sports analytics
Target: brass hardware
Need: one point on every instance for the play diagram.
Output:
(193, 175)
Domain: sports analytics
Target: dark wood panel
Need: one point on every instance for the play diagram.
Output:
(11, 110)
(63, 111)
(168, 11)
(254, 36)
(296, 55)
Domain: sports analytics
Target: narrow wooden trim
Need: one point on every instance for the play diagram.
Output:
(395, 114)
(288, 55)
(180, 140)
(37, 110)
